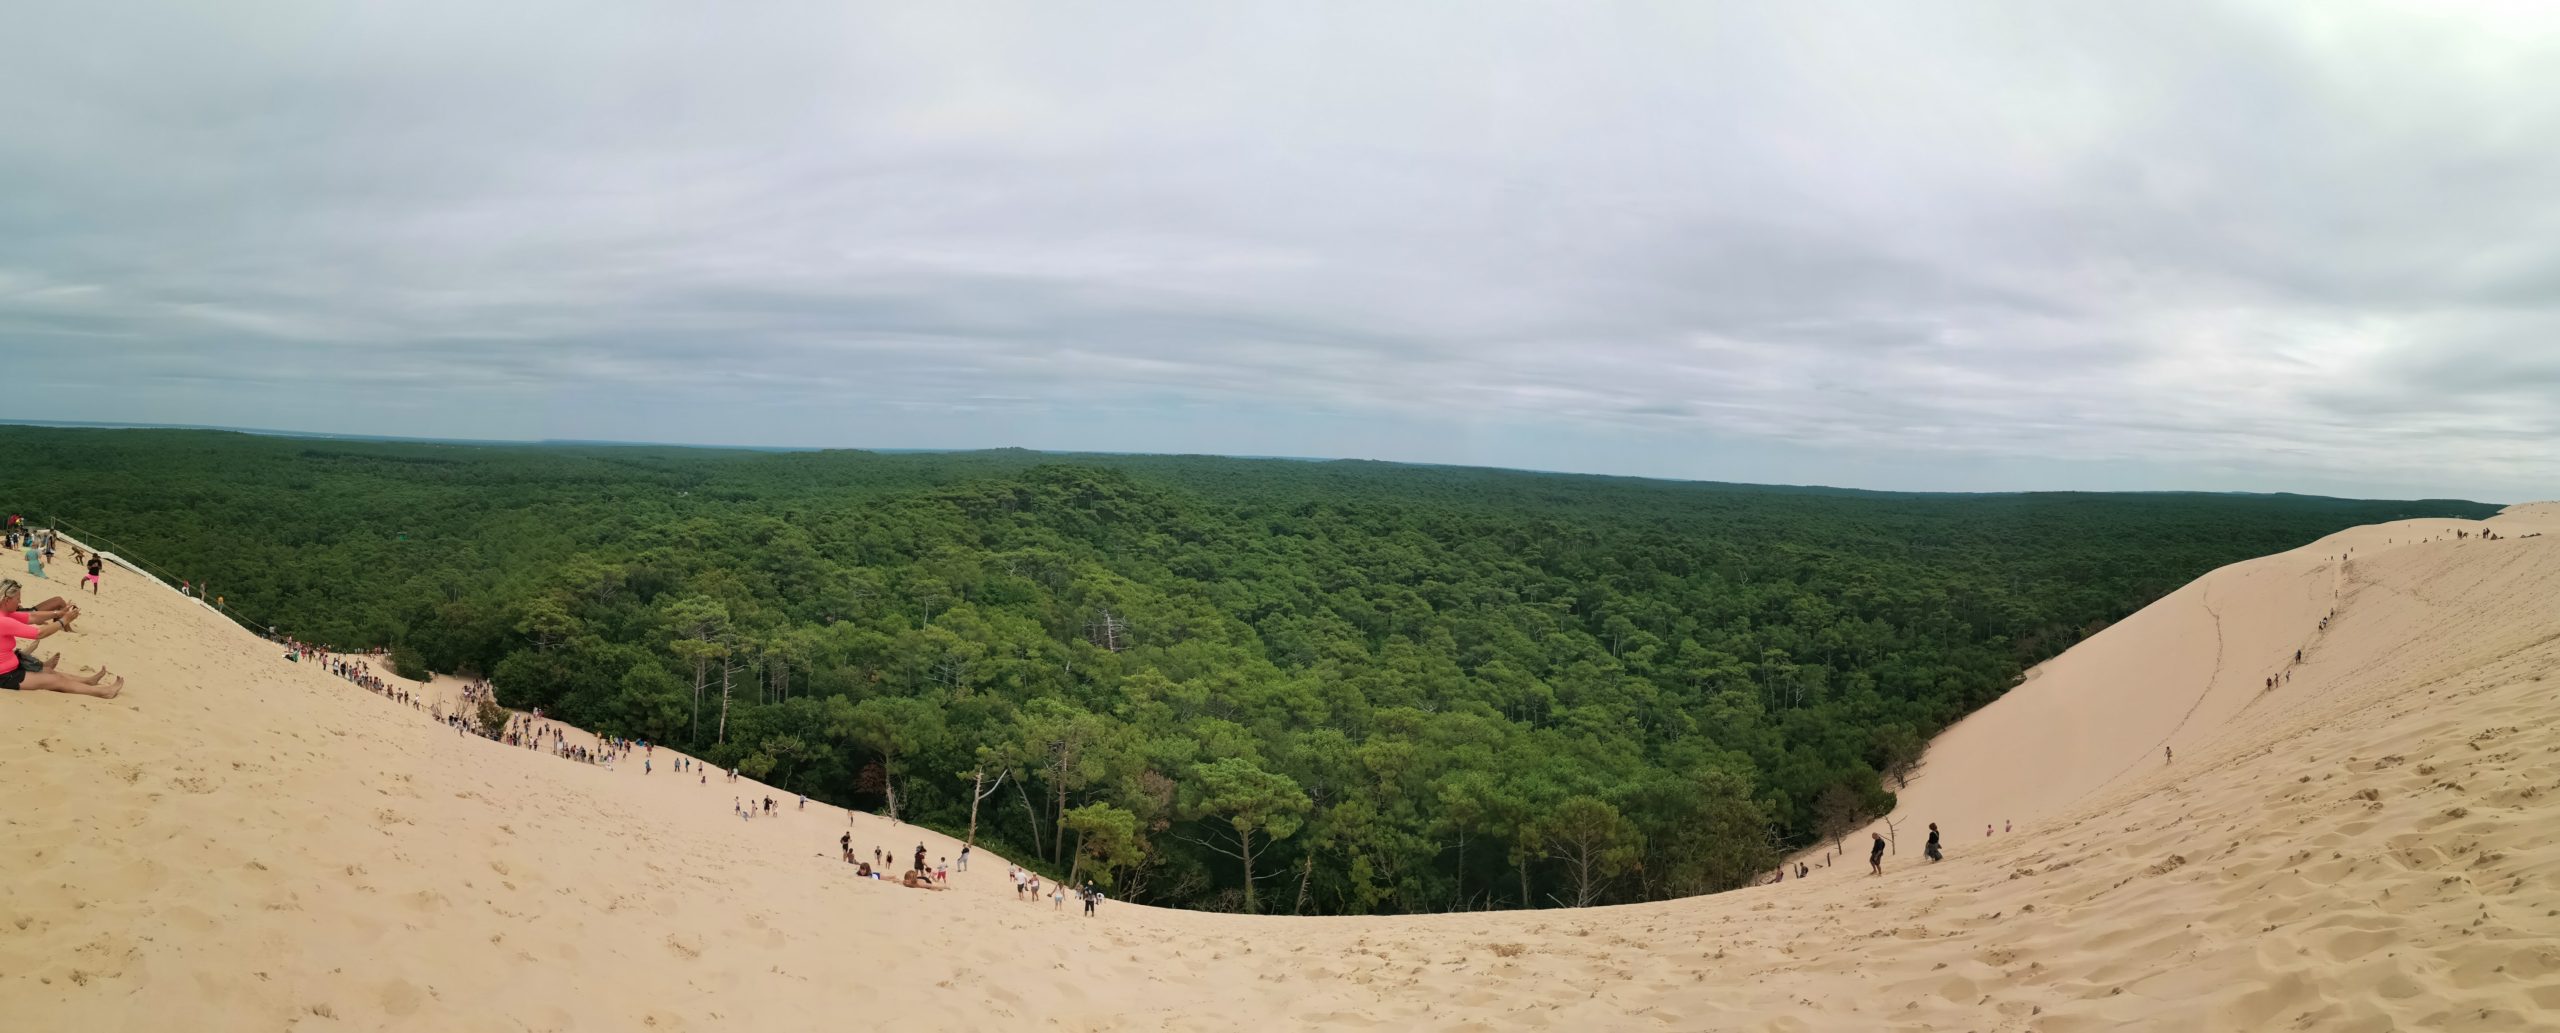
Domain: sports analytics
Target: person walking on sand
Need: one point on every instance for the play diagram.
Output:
(2167, 755)
(1931, 851)
(96, 570)
(1875, 855)
(964, 857)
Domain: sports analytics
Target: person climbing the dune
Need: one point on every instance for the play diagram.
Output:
(1875, 855)
(1931, 851)
(2167, 755)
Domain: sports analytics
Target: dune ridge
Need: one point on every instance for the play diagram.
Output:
(242, 843)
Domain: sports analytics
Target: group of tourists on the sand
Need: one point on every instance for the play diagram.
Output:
(39, 547)
(1026, 886)
(20, 670)
(532, 732)
(361, 673)
(915, 877)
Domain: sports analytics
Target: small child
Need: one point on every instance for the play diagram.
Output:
(1058, 899)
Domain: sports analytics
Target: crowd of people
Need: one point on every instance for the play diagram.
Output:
(357, 668)
(39, 546)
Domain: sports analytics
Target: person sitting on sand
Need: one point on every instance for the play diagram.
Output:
(1875, 855)
(916, 880)
(14, 675)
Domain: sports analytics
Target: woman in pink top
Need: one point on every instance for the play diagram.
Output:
(15, 676)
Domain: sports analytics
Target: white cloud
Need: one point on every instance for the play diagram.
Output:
(2273, 246)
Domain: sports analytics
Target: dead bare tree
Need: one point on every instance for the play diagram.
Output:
(1107, 630)
(979, 790)
(729, 669)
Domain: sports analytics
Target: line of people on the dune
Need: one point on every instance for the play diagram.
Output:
(360, 672)
(533, 732)
(2284, 675)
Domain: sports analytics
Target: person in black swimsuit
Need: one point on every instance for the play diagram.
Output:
(1875, 855)
(1932, 850)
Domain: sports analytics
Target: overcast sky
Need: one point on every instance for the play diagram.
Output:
(2284, 246)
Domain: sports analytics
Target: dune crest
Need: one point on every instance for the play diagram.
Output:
(242, 843)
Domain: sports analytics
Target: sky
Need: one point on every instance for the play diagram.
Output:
(1934, 246)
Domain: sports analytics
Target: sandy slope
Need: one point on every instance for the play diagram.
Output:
(246, 844)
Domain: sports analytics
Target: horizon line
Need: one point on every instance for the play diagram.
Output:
(272, 432)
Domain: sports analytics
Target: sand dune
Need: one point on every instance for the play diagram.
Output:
(245, 844)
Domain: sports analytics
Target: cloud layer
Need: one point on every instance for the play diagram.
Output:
(2280, 246)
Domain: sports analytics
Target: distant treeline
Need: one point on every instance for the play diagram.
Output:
(1239, 684)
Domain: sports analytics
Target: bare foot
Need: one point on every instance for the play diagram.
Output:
(112, 691)
(101, 676)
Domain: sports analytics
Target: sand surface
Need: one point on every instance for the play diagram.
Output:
(242, 843)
